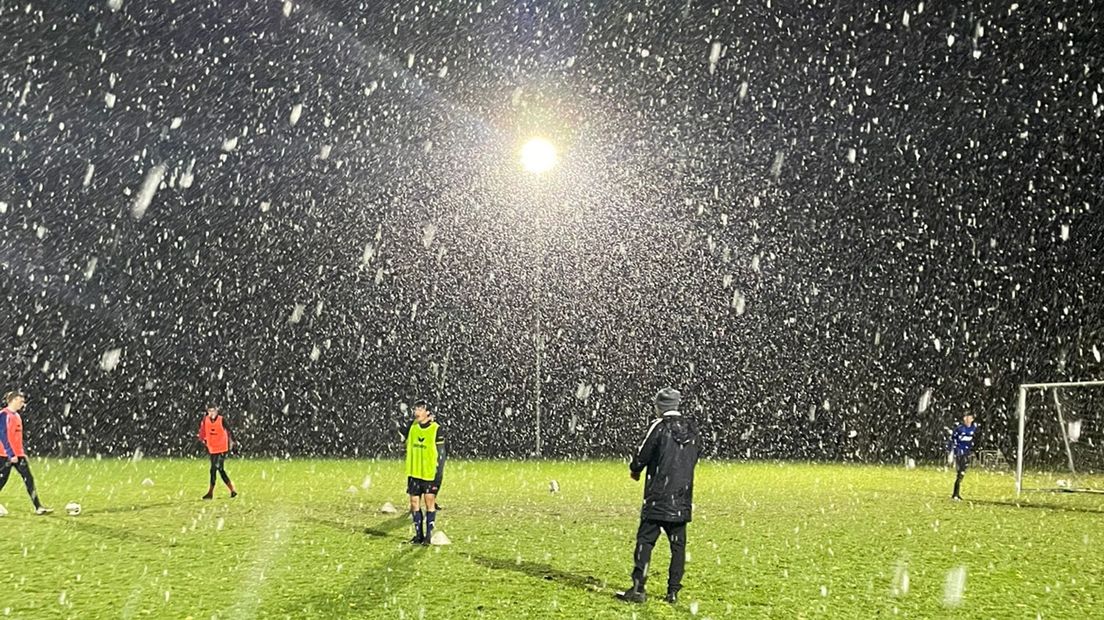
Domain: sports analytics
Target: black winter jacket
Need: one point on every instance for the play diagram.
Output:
(670, 453)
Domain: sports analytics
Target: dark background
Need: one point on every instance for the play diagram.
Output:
(706, 227)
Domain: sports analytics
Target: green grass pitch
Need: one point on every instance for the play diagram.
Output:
(306, 539)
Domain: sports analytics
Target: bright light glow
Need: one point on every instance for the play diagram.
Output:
(538, 155)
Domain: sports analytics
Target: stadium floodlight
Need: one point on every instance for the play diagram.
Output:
(1079, 436)
(538, 155)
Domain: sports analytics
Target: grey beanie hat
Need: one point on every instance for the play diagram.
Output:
(667, 399)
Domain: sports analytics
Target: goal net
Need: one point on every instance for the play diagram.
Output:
(1060, 446)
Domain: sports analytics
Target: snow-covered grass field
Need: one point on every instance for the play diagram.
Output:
(307, 539)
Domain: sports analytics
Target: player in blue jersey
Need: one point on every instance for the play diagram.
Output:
(962, 443)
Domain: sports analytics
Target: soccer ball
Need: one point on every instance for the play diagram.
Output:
(73, 509)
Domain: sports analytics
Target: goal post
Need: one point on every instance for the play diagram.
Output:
(1065, 427)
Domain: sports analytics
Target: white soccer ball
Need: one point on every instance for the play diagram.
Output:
(73, 509)
(389, 509)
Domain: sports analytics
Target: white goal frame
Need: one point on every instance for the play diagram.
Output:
(1021, 411)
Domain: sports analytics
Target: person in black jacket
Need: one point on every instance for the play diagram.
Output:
(669, 453)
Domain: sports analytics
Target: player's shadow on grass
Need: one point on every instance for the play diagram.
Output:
(586, 583)
(131, 508)
(121, 534)
(384, 529)
(543, 572)
(380, 530)
(372, 588)
(1037, 506)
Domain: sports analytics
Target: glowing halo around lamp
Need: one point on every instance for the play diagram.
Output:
(538, 155)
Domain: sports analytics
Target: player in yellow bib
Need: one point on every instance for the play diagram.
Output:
(425, 466)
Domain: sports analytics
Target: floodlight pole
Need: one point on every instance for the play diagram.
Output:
(538, 338)
(538, 341)
(537, 399)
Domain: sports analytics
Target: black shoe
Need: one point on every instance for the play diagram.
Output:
(632, 596)
(418, 540)
(209, 496)
(233, 494)
(672, 598)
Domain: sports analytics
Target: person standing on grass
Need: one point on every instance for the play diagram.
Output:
(11, 447)
(962, 443)
(425, 469)
(215, 434)
(670, 454)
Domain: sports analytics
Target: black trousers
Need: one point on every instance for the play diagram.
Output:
(961, 462)
(24, 470)
(218, 465)
(646, 536)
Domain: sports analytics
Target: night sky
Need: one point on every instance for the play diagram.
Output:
(835, 227)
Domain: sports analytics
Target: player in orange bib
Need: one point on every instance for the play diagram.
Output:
(215, 434)
(11, 447)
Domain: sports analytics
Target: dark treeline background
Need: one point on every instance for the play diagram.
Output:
(834, 228)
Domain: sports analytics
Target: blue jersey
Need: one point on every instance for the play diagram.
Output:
(962, 439)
